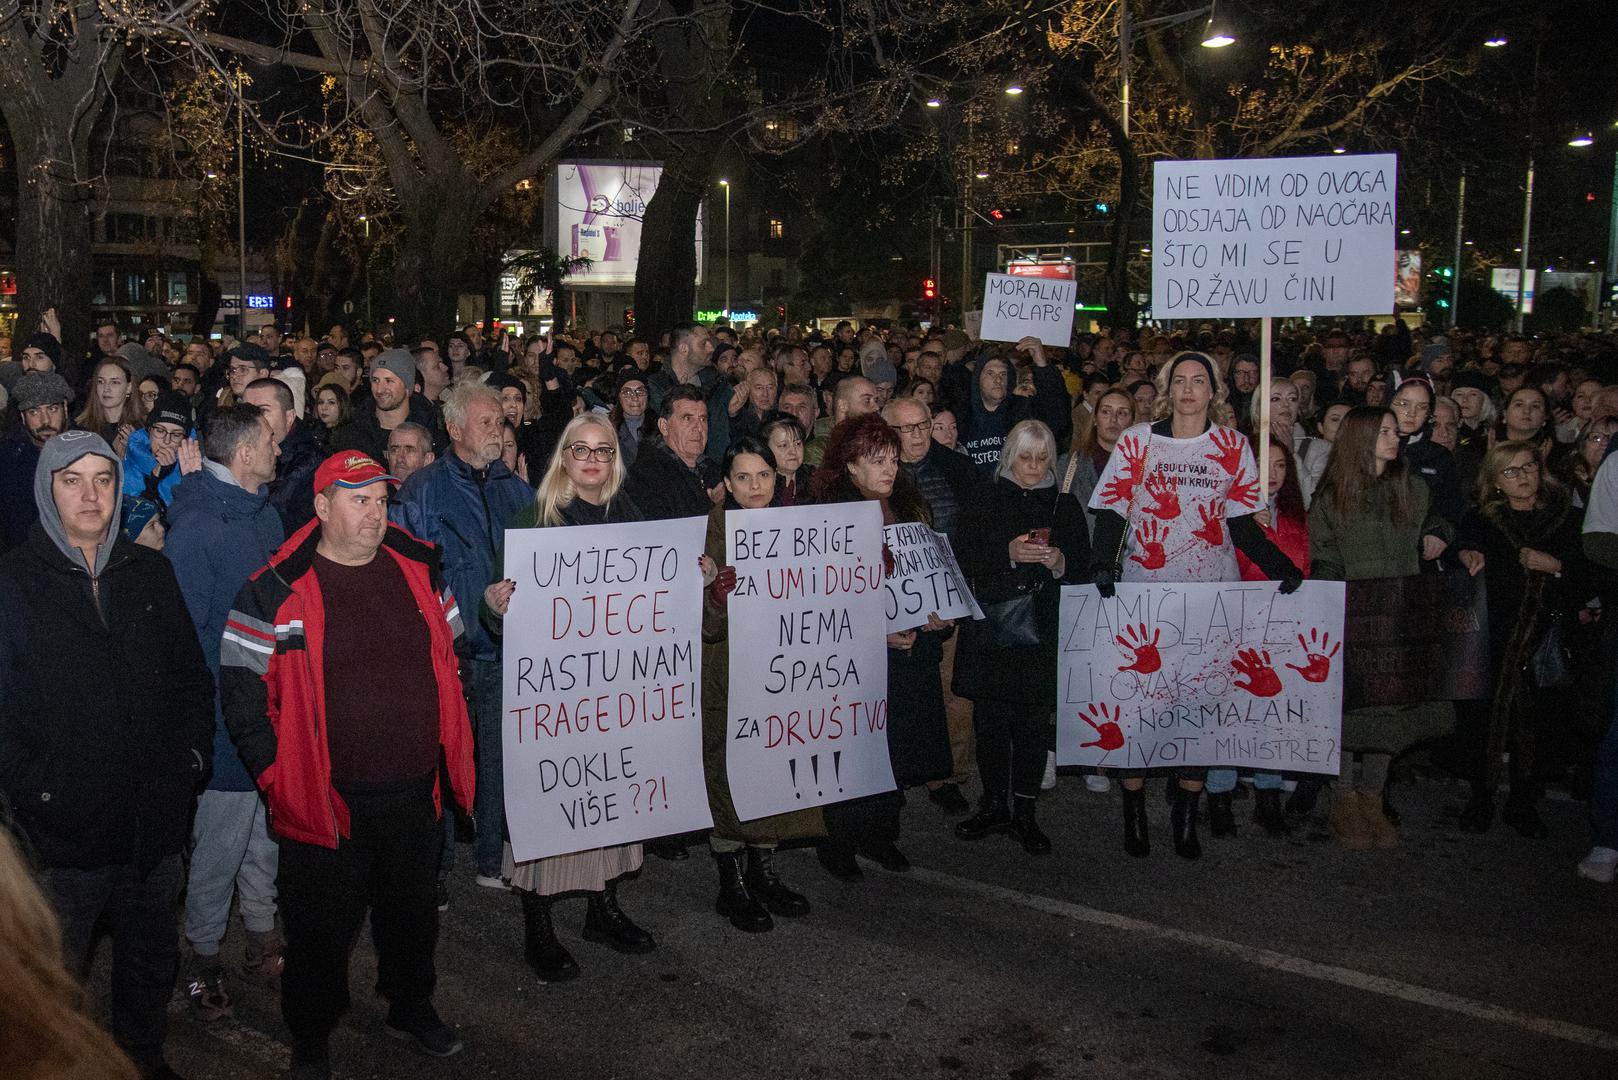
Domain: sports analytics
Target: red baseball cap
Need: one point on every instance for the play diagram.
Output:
(351, 469)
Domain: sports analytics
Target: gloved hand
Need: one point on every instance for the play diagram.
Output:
(1104, 581)
(1290, 583)
(723, 585)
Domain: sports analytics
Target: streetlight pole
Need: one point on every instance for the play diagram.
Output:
(1460, 228)
(1522, 263)
(1213, 37)
(726, 185)
(241, 214)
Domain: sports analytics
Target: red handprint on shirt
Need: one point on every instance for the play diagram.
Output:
(1149, 538)
(1213, 523)
(1262, 680)
(1319, 659)
(1109, 736)
(1244, 491)
(1146, 658)
(1165, 493)
(1121, 488)
(1229, 445)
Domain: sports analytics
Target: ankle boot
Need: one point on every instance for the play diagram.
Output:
(993, 816)
(1267, 812)
(605, 922)
(1136, 840)
(763, 883)
(1026, 829)
(735, 903)
(1301, 803)
(544, 954)
(1184, 820)
(1221, 815)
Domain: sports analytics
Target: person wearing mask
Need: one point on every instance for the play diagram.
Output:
(357, 608)
(1020, 536)
(1370, 519)
(672, 476)
(995, 410)
(393, 374)
(629, 413)
(751, 893)
(460, 503)
(410, 449)
(299, 452)
(1524, 538)
(862, 463)
(42, 401)
(105, 739)
(581, 485)
(222, 527)
(1145, 531)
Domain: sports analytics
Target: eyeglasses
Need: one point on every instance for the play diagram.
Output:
(632, 391)
(1598, 438)
(1517, 472)
(925, 428)
(580, 452)
(166, 434)
(241, 369)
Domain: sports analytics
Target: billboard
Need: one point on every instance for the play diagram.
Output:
(596, 208)
(1503, 280)
(1407, 279)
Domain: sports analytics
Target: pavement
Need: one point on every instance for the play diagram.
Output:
(1472, 957)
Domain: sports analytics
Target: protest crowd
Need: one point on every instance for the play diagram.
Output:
(253, 605)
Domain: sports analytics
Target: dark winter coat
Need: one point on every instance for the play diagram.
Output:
(18, 456)
(292, 494)
(983, 432)
(664, 487)
(366, 434)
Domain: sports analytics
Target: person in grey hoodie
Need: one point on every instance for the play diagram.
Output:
(222, 528)
(106, 728)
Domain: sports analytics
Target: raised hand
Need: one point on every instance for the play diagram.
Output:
(1149, 538)
(1262, 680)
(1244, 491)
(1109, 736)
(1165, 493)
(1135, 640)
(1318, 652)
(1229, 445)
(724, 583)
(189, 455)
(1213, 523)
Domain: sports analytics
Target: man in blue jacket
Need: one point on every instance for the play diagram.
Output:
(221, 529)
(462, 503)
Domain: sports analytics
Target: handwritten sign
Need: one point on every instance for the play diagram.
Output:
(808, 658)
(1015, 307)
(1418, 638)
(1275, 236)
(925, 579)
(1226, 674)
(603, 708)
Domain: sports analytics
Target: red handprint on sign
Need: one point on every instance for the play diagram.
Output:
(1146, 659)
(1109, 736)
(1262, 680)
(1213, 523)
(1315, 650)
(1121, 488)
(1165, 493)
(1229, 445)
(1149, 537)
(1244, 491)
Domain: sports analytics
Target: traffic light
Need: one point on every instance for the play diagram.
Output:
(1445, 272)
(1009, 213)
(929, 288)
(1103, 208)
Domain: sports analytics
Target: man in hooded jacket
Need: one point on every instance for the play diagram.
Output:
(106, 730)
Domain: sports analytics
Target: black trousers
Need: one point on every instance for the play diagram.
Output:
(389, 865)
(1012, 742)
(873, 819)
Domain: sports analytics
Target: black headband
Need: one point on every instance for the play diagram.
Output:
(1207, 365)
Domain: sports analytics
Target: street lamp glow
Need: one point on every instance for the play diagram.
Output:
(1014, 89)
(1339, 149)
(934, 103)
(983, 176)
(1496, 42)
(1583, 138)
(723, 182)
(1218, 33)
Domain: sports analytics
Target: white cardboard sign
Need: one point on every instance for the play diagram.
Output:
(1273, 236)
(925, 579)
(1015, 307)
(603, 685)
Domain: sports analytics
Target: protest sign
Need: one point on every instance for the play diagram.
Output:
(1275, 236)
(1418, 638)
(924, 579)
(1015, 307)
(1226, 674)
(602, 685)
(973, 323)
(808, 658)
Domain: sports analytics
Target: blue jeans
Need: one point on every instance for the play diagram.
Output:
(1223, 780)
(1604, 789)
(481, 681)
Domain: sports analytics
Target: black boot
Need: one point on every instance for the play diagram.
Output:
(763, 883)
(1184, 820)
(1267, 812)
(735, 903)
(668, 848)
(1136, 840)
(837, 856)
(605, 922)
(1026, 829)
(550, 961)
(993, 816)
(1478, 813)
(1301, 803)
(1221, 816)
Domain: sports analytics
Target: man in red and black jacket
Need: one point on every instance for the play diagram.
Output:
(340, 688)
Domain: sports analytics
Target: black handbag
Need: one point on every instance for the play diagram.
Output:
(1013, 623)
(1551, 666)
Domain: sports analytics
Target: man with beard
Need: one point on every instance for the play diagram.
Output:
(393, 375)
(42, 400)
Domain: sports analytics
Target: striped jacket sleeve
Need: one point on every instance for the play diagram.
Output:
(452, 609)
(244, 660)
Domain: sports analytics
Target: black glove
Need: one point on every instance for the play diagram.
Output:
(1104, 581)
(1290, 583)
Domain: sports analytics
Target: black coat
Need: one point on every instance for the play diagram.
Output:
(662, 486)
(106, 714)
(293, 492)
(1000, 512)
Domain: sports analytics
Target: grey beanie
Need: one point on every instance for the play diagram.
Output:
(400, 363)
(40, 388)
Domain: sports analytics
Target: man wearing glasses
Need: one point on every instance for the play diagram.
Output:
(158, 455)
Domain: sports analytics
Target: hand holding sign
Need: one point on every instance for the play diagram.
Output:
(1259, 669)
(1319, 660)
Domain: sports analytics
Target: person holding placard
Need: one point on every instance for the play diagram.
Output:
(750, 892)
(995, 410)
(581, 486)
(1175, 502)
(862, 463)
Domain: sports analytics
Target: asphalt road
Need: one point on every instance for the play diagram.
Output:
(1452, 956)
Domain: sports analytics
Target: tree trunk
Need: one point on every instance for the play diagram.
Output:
(54, 237)
(435, 247)
(666, 278)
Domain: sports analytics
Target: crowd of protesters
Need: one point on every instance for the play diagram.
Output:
(251, 604)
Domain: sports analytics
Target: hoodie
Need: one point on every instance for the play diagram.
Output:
(983, 430)
(57, 454)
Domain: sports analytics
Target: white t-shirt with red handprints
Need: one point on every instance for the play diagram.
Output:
(1175, 496)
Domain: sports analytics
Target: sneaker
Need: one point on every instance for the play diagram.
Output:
(1097, 783)
(1600, 865)
(421, 1024)
(441, 891)
(493, 881)
(1049, 780)
(264, 958)
(206, 989)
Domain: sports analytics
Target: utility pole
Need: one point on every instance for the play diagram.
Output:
(1460, 249)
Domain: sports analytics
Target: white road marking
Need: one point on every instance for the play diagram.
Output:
(1277, 961)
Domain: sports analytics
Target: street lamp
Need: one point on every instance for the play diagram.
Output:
(1014, 89)
(1496, 42)
(1612, 215)
(726, 185)
(1216, 35)
(1583, 138)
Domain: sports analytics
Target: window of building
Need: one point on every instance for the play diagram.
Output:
(777, 229)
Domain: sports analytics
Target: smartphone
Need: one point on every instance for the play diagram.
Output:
(1042, 537)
